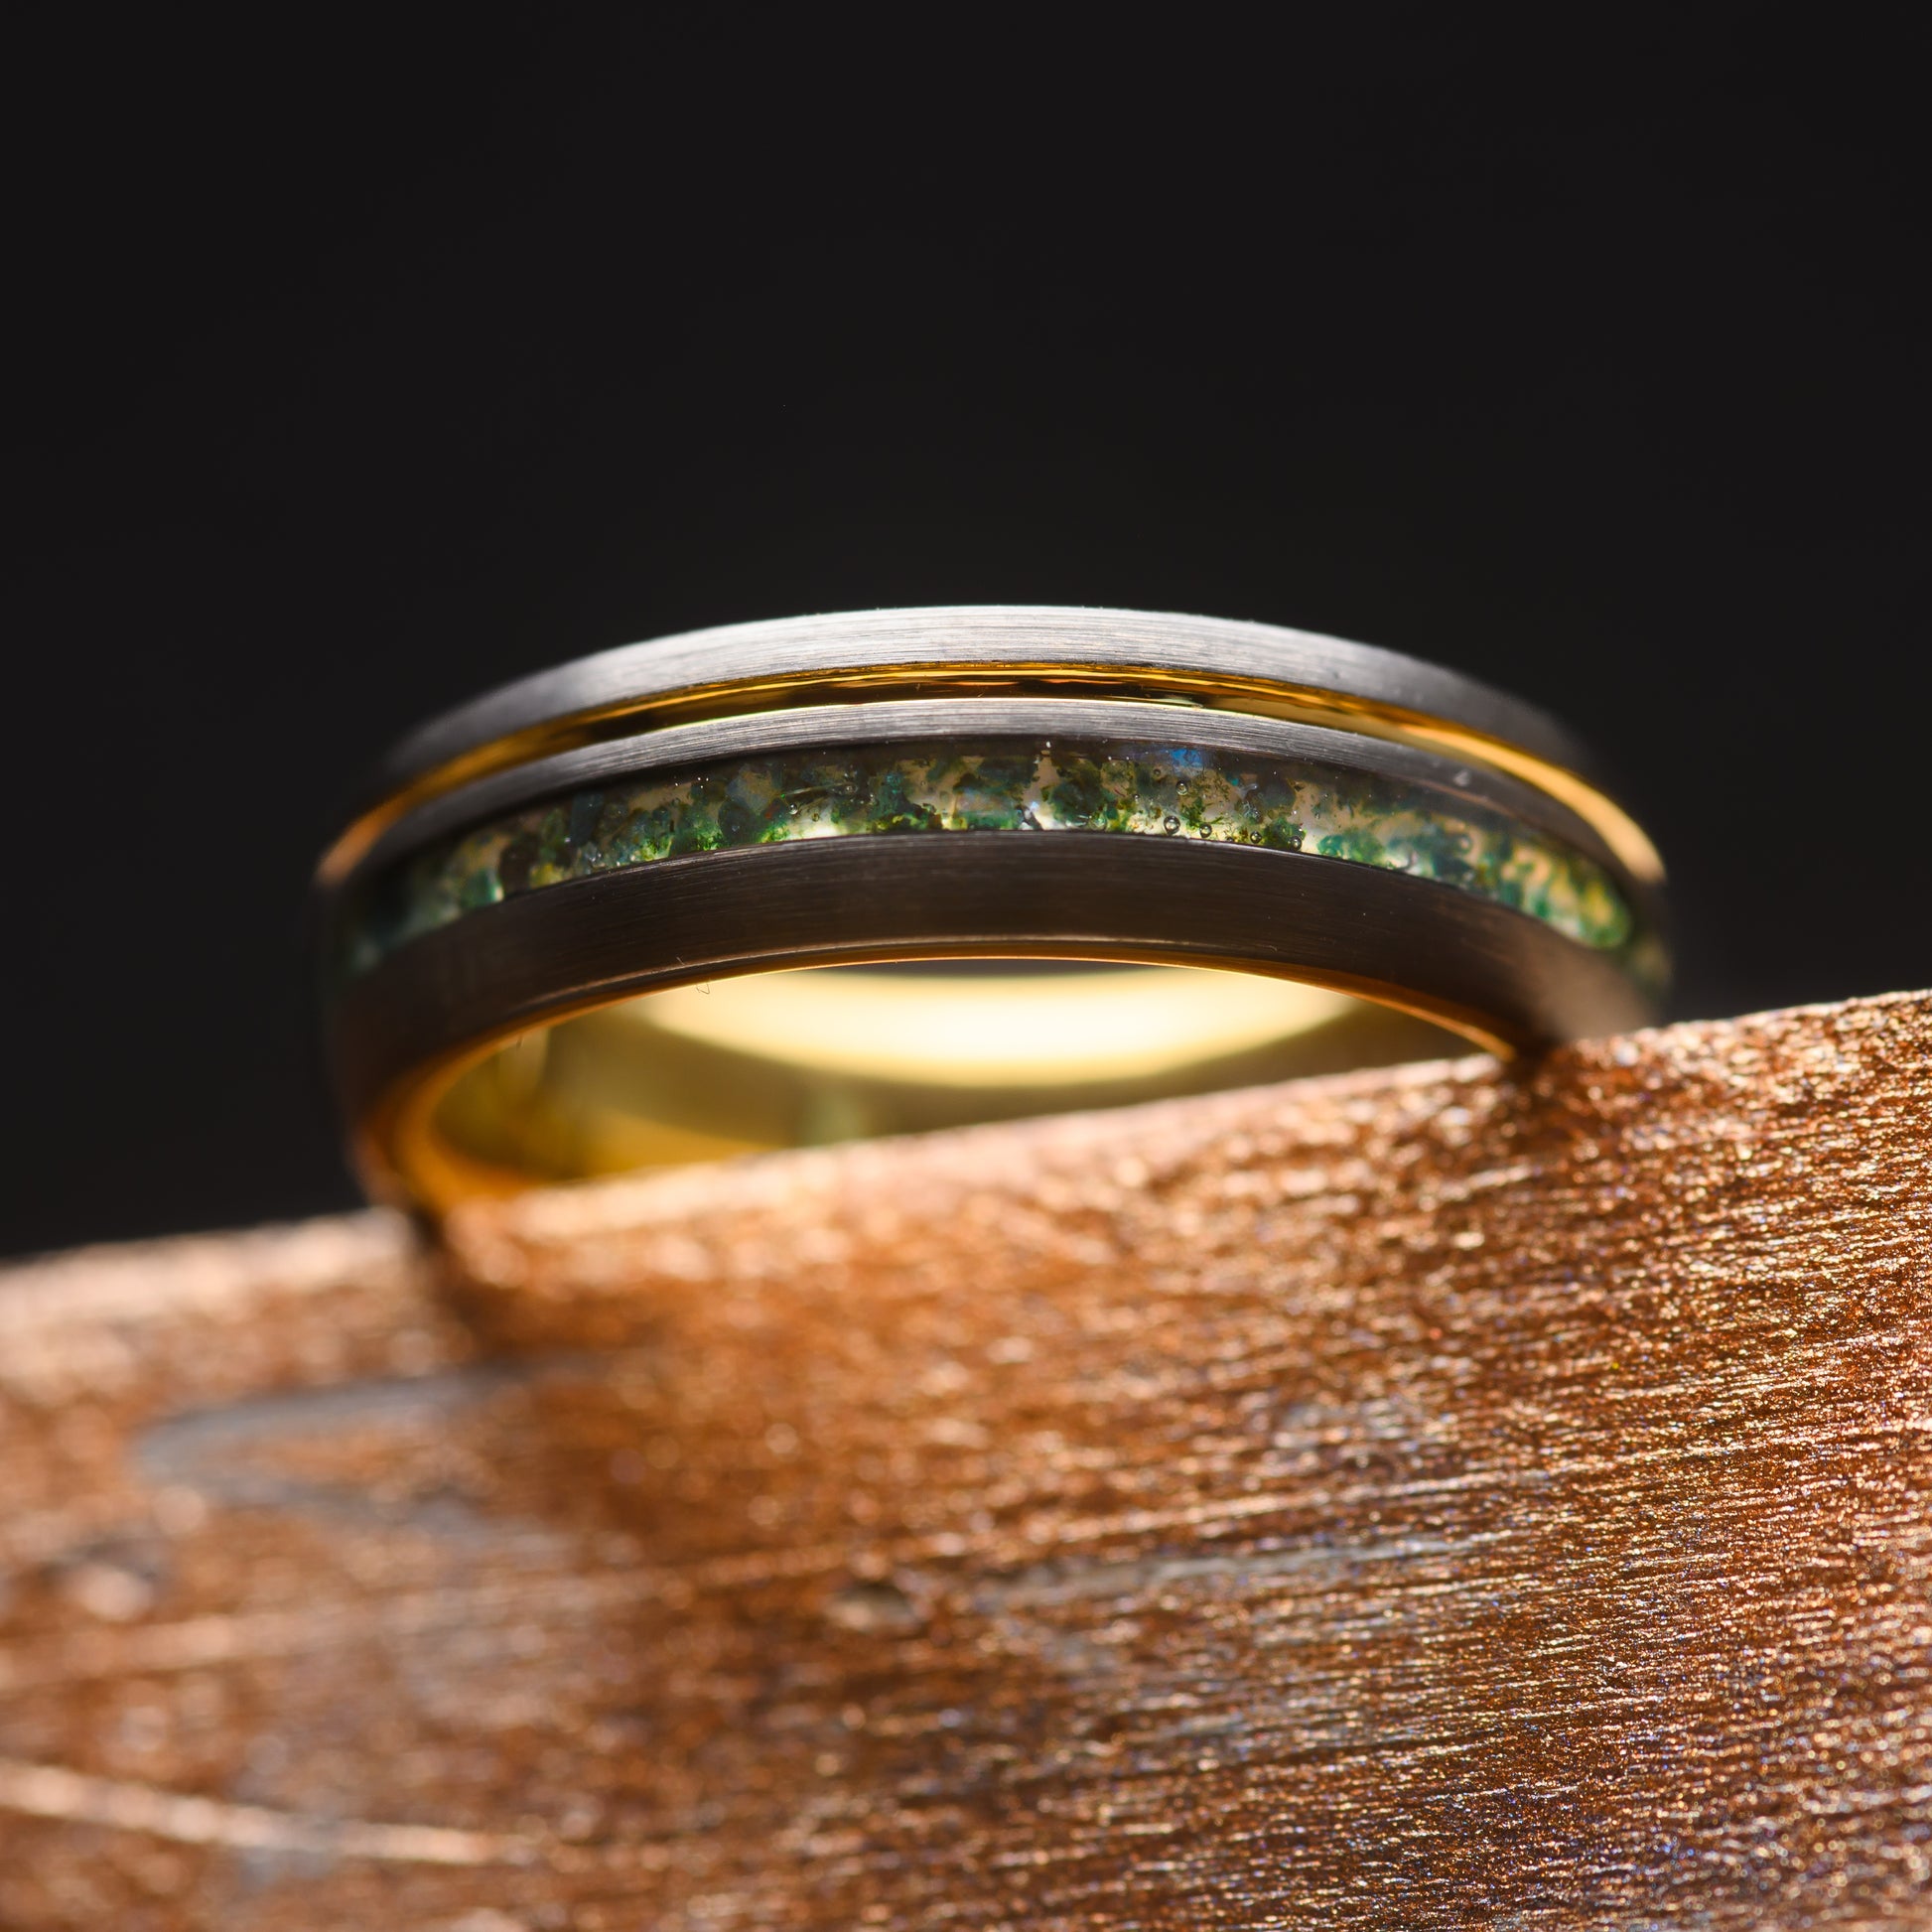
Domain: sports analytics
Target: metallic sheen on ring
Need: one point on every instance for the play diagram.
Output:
(884, 789)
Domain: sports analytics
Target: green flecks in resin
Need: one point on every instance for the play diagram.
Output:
(890, 790)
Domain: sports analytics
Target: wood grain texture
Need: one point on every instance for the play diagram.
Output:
(1437, 1499)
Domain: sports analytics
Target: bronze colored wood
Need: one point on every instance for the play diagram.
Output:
(1433, 1498)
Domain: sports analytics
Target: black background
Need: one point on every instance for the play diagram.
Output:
(352, 375)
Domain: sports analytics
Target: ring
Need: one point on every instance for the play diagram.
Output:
(794, 882)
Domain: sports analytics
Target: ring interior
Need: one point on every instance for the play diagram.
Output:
(806, 1057)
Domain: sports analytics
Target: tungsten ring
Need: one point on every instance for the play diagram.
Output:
(788, 883)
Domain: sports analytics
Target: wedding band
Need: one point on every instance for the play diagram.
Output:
(792, 881)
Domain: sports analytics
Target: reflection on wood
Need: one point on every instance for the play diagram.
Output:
(1427, 1498)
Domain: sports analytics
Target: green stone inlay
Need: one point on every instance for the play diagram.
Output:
(1147, 791)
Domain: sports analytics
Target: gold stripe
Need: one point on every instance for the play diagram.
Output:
(1254, 697)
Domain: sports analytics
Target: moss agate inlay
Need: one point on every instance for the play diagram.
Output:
(892, 790)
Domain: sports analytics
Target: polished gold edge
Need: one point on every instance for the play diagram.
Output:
(400, 1156)
(1298, 704)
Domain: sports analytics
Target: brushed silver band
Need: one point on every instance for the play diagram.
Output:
(638, 918)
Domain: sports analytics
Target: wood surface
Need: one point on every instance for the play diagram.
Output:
(1443, 1497)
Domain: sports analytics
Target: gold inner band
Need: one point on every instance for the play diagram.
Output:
(811, 1057)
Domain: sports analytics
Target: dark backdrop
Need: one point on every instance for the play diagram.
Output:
(352, 375)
